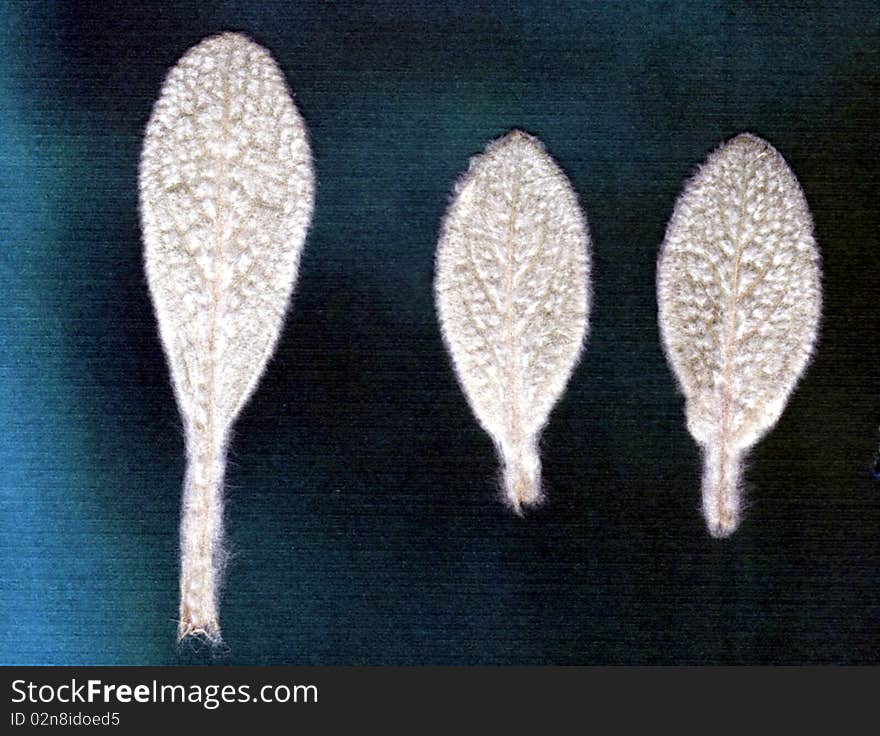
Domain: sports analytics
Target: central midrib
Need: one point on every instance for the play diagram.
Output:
(724, 449)
(207, 489)
(512, 374)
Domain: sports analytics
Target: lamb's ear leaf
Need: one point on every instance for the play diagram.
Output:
(739, 296)
(226, 196)
(513, 296)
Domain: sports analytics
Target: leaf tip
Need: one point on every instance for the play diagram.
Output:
(746, 138)
(518, 134)
(225, 42)
(233, 38)
(516, 138)
(748, 144)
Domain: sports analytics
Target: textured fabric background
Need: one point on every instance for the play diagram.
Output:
(362, 498)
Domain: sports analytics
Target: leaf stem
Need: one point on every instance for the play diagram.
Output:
(202, 557)
(721, 487)
(521, 469)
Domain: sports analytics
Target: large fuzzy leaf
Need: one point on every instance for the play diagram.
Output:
(226, 192)
(739, 296)
(512, 287)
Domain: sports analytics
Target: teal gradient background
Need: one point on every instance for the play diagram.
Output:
(362, 503)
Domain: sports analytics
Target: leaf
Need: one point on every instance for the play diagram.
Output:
(512, 290)
(739, 296)
(226, 194)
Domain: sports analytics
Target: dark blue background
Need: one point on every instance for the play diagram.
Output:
(362, 501)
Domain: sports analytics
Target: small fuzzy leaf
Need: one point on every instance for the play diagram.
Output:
(226, 194)
(512, 289)
(739, 298)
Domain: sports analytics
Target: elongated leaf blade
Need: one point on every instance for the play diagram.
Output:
(226, 193)
(513, 297)
(739, 298)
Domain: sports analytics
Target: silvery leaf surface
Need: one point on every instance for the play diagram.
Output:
(739, 297)
(226, 196)
(513, 295)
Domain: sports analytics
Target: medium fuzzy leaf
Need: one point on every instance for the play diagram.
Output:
(512, 289)
(226, 193)
(739, 296)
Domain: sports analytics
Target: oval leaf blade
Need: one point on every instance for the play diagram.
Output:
(739, 297)
(512, 291)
